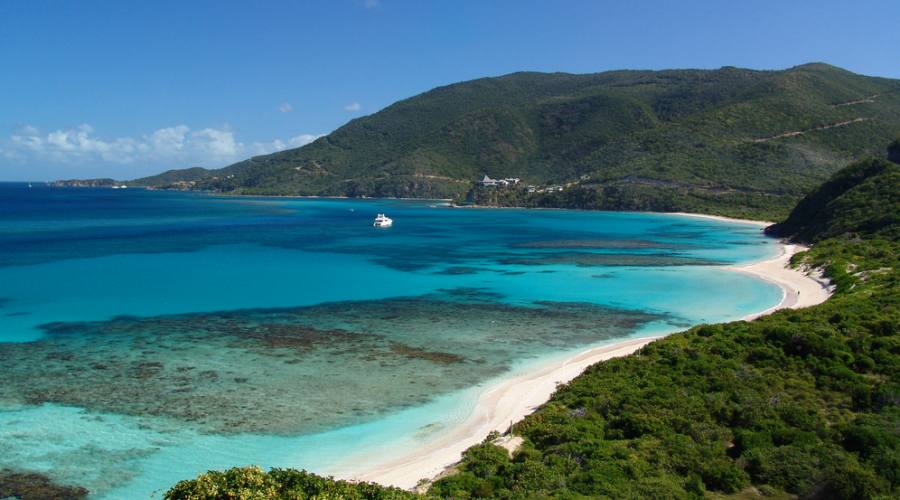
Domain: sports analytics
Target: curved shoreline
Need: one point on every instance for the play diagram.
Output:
(498, 406)
(721, 218)
(798, 289)
(513, 399)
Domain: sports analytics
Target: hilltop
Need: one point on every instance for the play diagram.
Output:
(731, 141)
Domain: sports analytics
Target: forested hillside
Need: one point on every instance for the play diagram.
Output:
(732, 141)
(863, 199)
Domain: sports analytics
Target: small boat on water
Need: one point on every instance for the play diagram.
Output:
(383, 221)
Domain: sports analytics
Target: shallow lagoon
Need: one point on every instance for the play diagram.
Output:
(149, 336)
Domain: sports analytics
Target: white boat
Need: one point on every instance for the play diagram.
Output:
(383, 221)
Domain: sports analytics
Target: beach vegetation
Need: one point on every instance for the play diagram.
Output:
(252, 483)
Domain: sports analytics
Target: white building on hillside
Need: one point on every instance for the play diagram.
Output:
(487, 181)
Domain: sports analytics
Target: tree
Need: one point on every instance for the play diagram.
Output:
(894, 151)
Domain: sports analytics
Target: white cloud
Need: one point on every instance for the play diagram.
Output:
(30, 130)
(217, 143)
(170, 146)
(370, 4)
(264, 148)
(31, 142)
(75, 144)
(303, 139)
(170, 140)
(353, 107)
(285, 107)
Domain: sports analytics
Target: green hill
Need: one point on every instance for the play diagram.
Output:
(173, 178)
(731, 140)
(861, 199)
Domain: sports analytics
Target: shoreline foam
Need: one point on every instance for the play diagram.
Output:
(511, 400)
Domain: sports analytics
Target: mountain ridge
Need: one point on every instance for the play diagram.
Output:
(731, 141)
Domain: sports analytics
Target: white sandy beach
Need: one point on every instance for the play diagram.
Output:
(760, 223)
(512, 399)
(500, 405)
(798, 289)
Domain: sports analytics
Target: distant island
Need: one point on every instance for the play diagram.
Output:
(104, 183)
(731, 141)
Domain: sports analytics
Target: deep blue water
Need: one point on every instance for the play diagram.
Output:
(148, 336)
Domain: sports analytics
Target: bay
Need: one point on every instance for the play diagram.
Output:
(147, 336)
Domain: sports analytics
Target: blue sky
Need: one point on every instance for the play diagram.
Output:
(124, 89)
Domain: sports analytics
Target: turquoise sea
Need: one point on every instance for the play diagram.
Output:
(148, 336)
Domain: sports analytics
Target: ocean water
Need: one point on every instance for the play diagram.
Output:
(149, 336)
